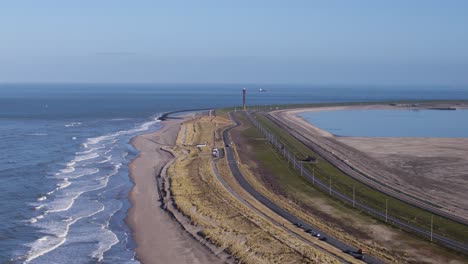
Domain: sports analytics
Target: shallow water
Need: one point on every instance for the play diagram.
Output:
(392, 123)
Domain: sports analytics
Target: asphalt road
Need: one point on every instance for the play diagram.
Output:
(275, 208)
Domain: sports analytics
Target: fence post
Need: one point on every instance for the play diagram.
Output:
(354, 196)
(313, 175)
(432, 224)
(386, 210)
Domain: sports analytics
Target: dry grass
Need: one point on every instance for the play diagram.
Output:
(225, 221)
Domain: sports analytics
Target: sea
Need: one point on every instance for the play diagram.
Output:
(65, 149)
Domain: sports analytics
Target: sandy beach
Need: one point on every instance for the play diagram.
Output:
(159, 238)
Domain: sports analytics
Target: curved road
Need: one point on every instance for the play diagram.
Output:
(274, 207)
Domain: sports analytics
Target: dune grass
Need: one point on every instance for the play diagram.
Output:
(223, 220)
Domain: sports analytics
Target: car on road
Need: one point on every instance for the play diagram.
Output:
(299, 224)
(319, 236)
(359, 254)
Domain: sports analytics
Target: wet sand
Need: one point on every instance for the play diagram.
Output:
(159, 238)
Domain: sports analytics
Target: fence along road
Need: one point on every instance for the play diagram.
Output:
(326, 187)
(274, 207)
(361, 176)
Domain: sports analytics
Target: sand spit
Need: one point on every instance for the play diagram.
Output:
(159, 238)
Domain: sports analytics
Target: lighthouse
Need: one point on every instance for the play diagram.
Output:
(243, 98)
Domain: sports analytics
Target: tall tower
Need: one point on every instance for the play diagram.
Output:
(243, 98)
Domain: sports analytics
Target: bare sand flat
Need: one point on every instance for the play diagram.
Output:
(159, 238)
(434, 169)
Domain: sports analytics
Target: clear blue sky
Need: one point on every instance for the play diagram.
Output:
(401, 42)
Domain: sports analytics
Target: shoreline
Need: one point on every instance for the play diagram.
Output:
(160, 236)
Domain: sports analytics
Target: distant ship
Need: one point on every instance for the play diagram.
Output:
(262, 90)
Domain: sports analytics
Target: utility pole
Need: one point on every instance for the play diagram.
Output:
(432, 225)
(313, 175)
(386, 210)
(354, 195)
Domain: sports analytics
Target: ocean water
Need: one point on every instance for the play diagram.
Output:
(63, 166)
(392, 123)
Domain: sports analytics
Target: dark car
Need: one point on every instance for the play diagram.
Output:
(323, 238)
(298, 224)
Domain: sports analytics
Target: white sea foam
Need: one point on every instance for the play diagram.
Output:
(108, 239)
(62, 204)
(86, 151)
(63, 185)
(58, 214)
(42, 198)
(57, 236)
(68, 169)
(73, 124)
(142, 127)
(109, 150)
(95, 140)
(86, 157)
(106, 159)
(65, 202)
(37, 134)
(77, 174)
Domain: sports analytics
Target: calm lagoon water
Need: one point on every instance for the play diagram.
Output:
(392, 123)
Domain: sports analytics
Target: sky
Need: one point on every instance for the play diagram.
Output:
(360, 42)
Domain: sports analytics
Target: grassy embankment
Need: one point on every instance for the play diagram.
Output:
(364, 194)
(223, 220)
(302, 199)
